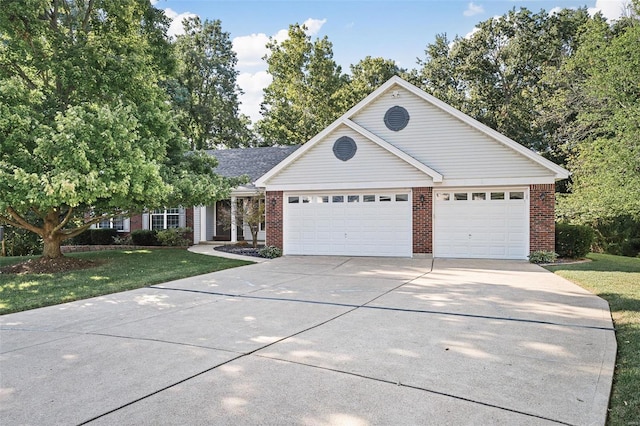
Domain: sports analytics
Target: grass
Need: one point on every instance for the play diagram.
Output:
(117, 271)
(617, 280)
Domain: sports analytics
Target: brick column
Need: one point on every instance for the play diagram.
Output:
(542, 220)
(422, 220)
(274, 218)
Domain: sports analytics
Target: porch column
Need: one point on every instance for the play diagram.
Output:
(203, 223)
(234, 228)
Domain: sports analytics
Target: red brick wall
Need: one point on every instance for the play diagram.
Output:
(274, 218)
(542, 220)
(422, 220)
(135, 222)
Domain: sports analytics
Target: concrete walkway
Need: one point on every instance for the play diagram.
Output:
(318, 341)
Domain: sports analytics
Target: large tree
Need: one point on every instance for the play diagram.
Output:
(206, 94)
(497, 74)
(303, 97)
(604, 154)
(366, 76)
(86, 131)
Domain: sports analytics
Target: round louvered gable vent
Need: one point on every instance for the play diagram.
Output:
(344, 148)
(396, 118)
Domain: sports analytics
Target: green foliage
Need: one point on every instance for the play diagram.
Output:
(573, 241)
(205, 92)
(543, 256)
(304, 95)
(115, 271)
(496, 74)
(20, 242)
(85, 123)
(174, 237)
(144, 237)
(366, 76)
(83, 239)
(103, 236)
(270, 252)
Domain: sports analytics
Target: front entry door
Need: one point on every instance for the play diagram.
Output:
(223, 217)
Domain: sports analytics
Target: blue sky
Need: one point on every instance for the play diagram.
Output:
(397, 30)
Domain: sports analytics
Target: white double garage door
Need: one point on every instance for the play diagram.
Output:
(467, 223)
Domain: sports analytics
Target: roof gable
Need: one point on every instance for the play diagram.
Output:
(320, 165)
(448, 146)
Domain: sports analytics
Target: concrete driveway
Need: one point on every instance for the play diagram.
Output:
(318, 341)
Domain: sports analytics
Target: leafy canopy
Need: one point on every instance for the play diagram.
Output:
(85, 124)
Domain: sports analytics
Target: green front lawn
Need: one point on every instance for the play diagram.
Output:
(617, 280)
(117, 271)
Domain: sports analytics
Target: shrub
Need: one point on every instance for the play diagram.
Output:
(144, 237)
(174, 237)
(83, 239)
(20, 242)
(270, 252)
(631, 247)
(123, 240)
(573, 241)
(543, 256)
(103, 237)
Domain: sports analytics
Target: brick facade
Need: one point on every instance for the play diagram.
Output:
(422, 220)
(542, 220)
(274, 218)
(135, 222)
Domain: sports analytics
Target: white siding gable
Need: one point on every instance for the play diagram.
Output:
(371, 167)
(461, 153)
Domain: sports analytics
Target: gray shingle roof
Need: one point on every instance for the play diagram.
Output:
(253, 162)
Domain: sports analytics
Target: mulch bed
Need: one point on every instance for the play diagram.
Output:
(244, 251)
(44, 265)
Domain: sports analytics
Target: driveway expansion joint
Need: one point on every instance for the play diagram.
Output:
(420, 388)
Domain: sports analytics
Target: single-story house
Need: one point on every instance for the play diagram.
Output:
(399, 174)
(213, 223)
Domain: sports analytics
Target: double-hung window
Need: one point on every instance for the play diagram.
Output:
(165, 219)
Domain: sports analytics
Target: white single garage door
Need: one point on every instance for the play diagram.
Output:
(477, 223)
(371, 223)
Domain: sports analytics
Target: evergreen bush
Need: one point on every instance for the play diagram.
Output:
(573, 241)
(144, 237)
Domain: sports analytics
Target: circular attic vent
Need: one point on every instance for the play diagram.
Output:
(344, 148)
(396, 118)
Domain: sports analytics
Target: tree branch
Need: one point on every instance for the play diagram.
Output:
(24, 76)
(64, 221)
(87, 15)
(20, 222)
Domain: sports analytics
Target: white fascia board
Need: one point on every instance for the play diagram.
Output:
(261, 182)
(496, 182)
(343, 186)
(560, 172)
(437, 177)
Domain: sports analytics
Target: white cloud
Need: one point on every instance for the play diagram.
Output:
(473, 9)
(611, 9)
(250, 49)
(252, 85)
(471, 33)
(253, 77)
(175, 28)
(555, 10)
(314, 25)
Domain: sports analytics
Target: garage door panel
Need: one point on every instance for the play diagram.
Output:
(356, 228)
(479, 226)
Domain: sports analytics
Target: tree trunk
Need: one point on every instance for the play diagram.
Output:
(51, 247)
(254, 236)
(51, 237)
